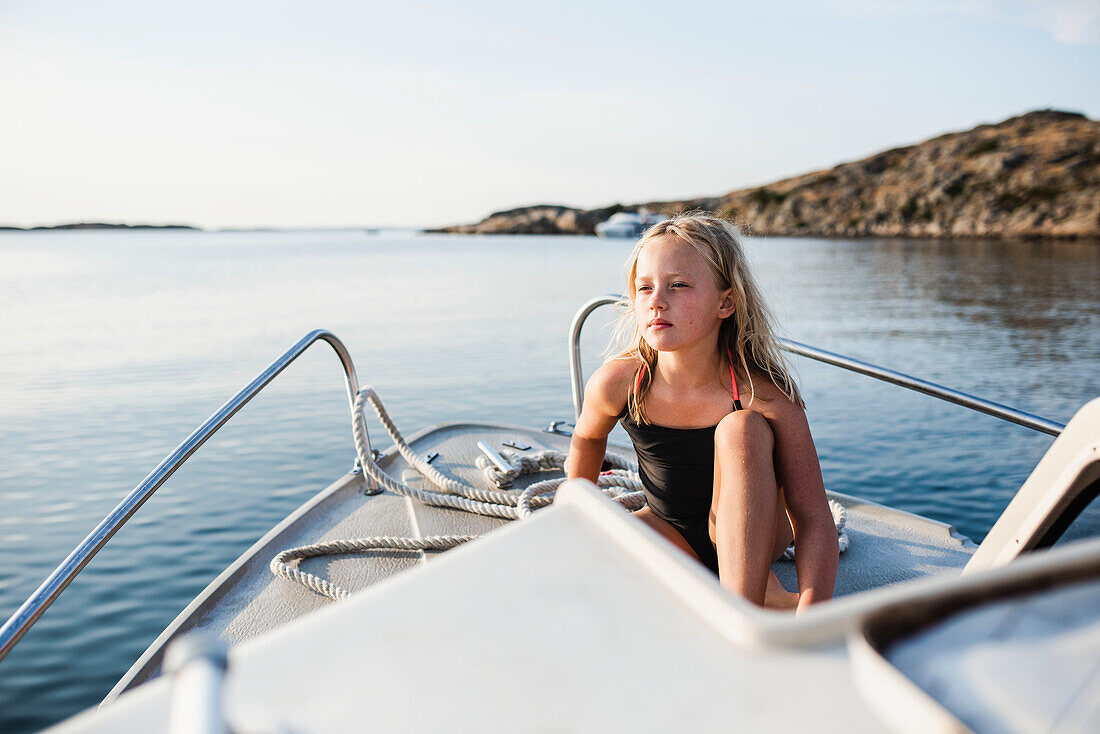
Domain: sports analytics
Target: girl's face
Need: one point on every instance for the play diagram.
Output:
(677, 303)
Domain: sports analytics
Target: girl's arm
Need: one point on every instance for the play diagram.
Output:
(798, 473)
(604, 398)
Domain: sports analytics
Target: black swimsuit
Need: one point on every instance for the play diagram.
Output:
(676, 466)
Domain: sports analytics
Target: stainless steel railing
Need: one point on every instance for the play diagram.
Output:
(958, 397)
(27, 614)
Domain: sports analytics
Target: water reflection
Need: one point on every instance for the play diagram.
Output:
(118, 344)
(1013, 321)
(1032, 288)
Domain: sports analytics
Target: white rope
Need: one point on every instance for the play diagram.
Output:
(324, 587)
(840, 519)
(622, 484)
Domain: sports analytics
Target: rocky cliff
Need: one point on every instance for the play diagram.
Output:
(1036, 175)
(539, 219)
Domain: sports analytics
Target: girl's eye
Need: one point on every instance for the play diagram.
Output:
(643, 288)
(679, 285)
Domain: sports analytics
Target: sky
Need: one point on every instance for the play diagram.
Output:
(339, 113)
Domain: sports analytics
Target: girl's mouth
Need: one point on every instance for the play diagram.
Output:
(659, 324)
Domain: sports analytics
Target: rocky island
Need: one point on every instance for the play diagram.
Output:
(1035, 175)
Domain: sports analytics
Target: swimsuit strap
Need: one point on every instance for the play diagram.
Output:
(733, 382)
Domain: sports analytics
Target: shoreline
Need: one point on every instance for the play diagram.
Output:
(98, 225)
(1087, 239)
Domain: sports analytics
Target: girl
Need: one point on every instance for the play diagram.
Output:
(729, 482)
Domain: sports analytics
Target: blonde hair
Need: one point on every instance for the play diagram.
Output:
(747, 335)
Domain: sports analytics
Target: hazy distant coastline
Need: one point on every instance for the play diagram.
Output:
(101, 225)
(1035, 175)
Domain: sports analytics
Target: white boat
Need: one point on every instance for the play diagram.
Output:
(627, 224)
(579, 617)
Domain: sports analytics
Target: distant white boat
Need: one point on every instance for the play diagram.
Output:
(627, 224)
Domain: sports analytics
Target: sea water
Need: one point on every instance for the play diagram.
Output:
(116, 344)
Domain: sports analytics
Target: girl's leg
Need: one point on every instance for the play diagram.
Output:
(784, 531)
(776, 596)
(749, 525)
(666, 530)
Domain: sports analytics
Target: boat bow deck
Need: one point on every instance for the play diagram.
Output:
(247, 600)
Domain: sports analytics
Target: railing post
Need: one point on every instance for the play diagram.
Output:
(576, 377)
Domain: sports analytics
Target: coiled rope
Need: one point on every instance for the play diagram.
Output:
(622, 484)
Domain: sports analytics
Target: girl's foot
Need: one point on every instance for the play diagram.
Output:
(776, 597)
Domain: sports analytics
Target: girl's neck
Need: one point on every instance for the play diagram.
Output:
(689, 368)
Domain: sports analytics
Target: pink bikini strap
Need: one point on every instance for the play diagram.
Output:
(733, 383)
(733, 377)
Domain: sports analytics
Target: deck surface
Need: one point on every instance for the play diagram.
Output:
(247, 600)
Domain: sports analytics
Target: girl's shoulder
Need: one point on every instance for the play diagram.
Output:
(611, 383)
(766, 397)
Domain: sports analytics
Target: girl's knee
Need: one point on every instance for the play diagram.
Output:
(744, 430)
